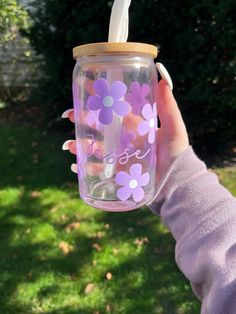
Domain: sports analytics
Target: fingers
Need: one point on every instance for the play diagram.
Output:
(164, 74)
(74, 168)
(171, 119)
(69, 114)
(95, 150)
(86, 118)
(91, 168)
(70, 145)
(169, 113)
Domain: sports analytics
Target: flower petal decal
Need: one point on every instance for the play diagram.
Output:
(149, 126)
(132, 183)
(108, 100)
(137, 97)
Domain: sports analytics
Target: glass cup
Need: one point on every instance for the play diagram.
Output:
(114, 87)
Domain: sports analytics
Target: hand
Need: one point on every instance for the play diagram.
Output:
(172, 138)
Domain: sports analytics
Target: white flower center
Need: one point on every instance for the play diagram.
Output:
(151, 123)
(108, 101)
(133, 183)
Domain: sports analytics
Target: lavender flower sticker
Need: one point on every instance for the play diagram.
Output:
(149, 126)
(108, 100)
(137, 97)
(132, 183)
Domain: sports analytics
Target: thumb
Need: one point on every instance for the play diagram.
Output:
(172, 124)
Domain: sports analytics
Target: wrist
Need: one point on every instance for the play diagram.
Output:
(183, 166)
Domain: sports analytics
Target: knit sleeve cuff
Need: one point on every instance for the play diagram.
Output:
(182, 168)
(189, 197)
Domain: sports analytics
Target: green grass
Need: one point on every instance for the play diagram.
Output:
(38, 200)
(228, 177)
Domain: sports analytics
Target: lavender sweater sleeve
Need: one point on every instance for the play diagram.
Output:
(201, 215)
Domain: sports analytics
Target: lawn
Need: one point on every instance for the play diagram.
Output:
(60, 256)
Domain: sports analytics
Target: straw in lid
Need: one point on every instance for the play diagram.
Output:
(114, 48)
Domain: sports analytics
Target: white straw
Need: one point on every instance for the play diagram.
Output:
(118, 32)
(118, 28)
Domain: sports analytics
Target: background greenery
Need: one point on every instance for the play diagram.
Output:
(58, 255)
(197, 44)
(61, 256)
(12, 17)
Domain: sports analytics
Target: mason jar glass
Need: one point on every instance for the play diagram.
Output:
(114, 86)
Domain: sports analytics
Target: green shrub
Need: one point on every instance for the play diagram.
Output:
(197, 44)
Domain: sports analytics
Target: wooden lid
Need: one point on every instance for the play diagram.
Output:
(114, 48)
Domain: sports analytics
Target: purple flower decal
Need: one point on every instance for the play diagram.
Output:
(137, 97)
(108, 100)
(150, 124)
(132, 183)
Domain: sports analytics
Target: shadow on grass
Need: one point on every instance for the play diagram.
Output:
(146, 281)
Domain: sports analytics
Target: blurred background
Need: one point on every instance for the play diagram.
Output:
(57, 254)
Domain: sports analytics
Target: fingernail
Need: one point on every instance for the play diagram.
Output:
(66, 145)
(67, 113)
(164, 74)
(74, 168)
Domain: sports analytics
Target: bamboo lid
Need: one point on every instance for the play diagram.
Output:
(114, 48)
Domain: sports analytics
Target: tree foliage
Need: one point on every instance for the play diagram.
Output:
(197, 44)
(12, 18)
